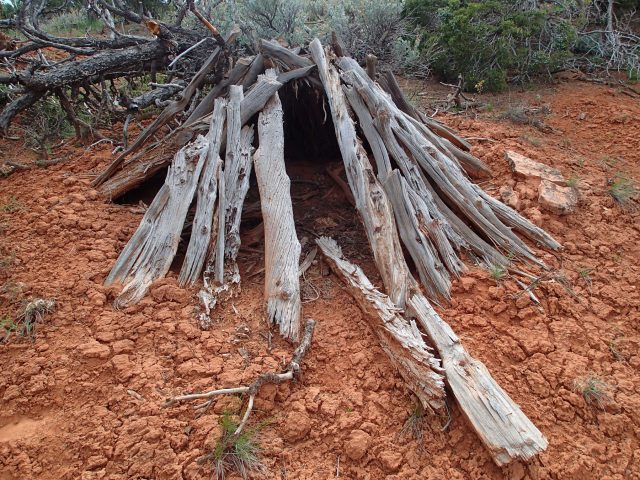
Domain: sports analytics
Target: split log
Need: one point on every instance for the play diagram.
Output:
(499, 422)
(399, 338)
(207, 191)
(282, 248)
(148, 255)
(497, 431)
(371, 201)
(136, 171)
(432, 272)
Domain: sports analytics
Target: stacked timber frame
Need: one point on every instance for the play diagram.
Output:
(410, 180)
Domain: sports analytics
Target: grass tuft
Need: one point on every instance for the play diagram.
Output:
(594, 389)
(11, 205)
(233, 452)
(32, 313)
(622, 189)
(497, 272)
(413, 425)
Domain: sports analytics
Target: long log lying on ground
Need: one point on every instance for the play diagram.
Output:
(201, 233)
(282, 248)
(507, 433)
(399, 338)
(499, 422)
(371, 201)
(148, 255)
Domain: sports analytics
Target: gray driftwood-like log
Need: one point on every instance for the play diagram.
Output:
(399, 338)
(499, 422)
(502, 435)
(371, 200)
(201, 233)
(282, 248)
(148, 255)
(432, 272)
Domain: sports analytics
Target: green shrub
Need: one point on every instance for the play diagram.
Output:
(495, 41)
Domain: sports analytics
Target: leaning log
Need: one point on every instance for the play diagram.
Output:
(282, 248)
(207, 191)
(371, 201)
(399, 338)
(148, 255)
(499, 422)
(508, 434)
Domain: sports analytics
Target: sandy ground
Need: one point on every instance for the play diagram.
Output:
(84, 399)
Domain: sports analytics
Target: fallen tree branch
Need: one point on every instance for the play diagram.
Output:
(290, 373)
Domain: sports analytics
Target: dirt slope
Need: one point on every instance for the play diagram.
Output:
(84, 399)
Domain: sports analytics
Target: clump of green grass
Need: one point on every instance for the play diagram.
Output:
(622, 189)
(585, 273)
(593, 388)
(31, 313)
(497, 272)
(573, 181)
(413, 425)
(239, 452)
(11, 205)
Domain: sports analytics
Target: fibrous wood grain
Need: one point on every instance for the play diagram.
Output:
(207, 190)
(282, 248)
(399, 338)
(148, 255)
(499, 422)
(371, 201)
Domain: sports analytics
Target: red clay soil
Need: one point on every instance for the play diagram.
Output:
(84, 399)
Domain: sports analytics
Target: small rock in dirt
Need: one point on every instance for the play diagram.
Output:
(509, 197)
(123, 367)
(298, 425)
(357, 444)
(93, 349)
(390, 460)
(532, 171)
(557, 199)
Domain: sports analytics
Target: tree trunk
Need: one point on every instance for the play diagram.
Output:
(282, 248)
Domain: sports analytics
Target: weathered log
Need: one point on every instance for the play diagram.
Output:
(167, 114)
(432, 272)
(148, 255)
(502, 435)
(136, 171)
(282, 248)
(171, 110)
(399, 338)
(207, 190)
(205, 106)
(371, 201)
(499, 422)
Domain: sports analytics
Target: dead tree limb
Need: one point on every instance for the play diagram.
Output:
(290, 373)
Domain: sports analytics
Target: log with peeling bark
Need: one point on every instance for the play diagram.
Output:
(282, 248)
(399, 338)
